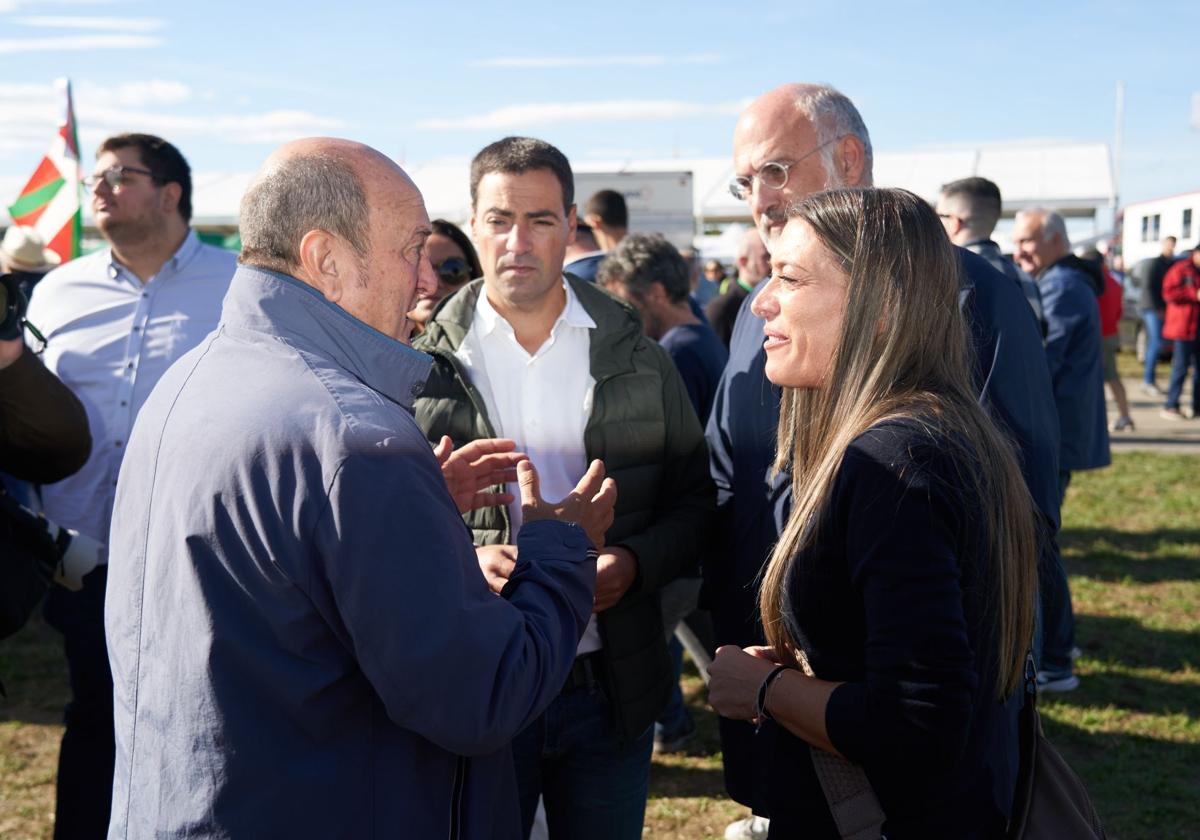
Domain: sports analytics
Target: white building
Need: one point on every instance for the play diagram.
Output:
(1148, 223)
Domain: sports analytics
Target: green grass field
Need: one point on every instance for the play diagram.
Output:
(1132, 730)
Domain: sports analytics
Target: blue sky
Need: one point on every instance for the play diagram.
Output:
(228, 81)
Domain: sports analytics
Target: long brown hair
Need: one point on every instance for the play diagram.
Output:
(903, 352)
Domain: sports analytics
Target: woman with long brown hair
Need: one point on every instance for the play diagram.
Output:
(900, 597)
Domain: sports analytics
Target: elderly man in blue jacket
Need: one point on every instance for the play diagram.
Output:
(302, 642)
(1074, 353)
(790, 142)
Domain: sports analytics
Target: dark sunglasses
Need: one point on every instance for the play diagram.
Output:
(453, 271)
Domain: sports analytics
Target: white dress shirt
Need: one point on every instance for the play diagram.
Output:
(542, 401)
(109, 338)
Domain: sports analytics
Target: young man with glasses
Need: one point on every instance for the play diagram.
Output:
(114, 321)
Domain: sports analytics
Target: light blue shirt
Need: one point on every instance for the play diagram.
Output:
(110, 338)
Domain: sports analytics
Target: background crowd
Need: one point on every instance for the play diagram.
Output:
(252, 532)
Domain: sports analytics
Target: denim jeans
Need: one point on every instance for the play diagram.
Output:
(1185, 354)
(1153, 323)
(1055, 636)
(85, 762)
(593, 785)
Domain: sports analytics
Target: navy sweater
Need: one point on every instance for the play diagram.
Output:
(892, 601)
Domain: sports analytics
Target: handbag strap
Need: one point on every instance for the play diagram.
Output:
(852, 800)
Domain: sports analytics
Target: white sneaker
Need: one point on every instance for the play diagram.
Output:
(1151, 390)
(1056, 682)
(751, 828)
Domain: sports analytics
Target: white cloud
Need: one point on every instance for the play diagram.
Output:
(620, 110)
(30, 113)
(89, 94)
(544, 62)
(106, 24)
(133, 94)
(270, 127)
(78, 43)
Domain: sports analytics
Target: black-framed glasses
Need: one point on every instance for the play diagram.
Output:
(772, 174)
(115, 176)
(453, 271)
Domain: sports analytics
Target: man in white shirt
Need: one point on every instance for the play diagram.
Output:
(114, 321)
(566, 371)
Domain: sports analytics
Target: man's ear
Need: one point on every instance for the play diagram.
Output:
(851, 160)
(572, 224)
(171, 194)
(320, 263)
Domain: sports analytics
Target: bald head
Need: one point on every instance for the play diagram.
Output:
(812, 131)
(315, 183)
(345, 219)
(1039, 239)
(753, 260)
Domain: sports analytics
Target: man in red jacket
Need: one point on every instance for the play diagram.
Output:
(1183, 315)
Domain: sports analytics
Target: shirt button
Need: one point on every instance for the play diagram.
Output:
(116, 443)
(130, 365)
(124, 403)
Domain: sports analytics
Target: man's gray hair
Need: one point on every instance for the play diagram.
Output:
(643, 259)
(833, 115)
(302, 193)
(1052, 223)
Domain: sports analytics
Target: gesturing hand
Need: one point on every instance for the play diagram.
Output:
(470, 469)
(590, 504)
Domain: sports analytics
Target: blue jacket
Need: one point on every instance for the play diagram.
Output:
(753, 507)
(1076, 360)
(301, 640)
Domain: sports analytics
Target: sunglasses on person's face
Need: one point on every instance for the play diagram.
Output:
(453, 271)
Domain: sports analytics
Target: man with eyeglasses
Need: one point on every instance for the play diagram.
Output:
(793, 141)
(114, 321)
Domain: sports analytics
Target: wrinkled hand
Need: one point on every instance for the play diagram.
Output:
(735, 676)
(497, 563)
(471, 469)
(616, 569)
(590, 504)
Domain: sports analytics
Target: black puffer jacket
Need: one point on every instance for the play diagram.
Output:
(644, 429)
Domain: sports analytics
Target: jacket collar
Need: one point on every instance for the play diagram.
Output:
(267, 301)
(573, 315)
(618, 329)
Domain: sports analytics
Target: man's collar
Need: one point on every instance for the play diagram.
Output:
(573, 314)
(182, 256)
(265, 300)
(580, 257)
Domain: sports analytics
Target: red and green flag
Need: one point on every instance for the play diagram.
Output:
(51, 201)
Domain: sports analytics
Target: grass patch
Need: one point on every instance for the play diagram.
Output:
(1131, 540)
